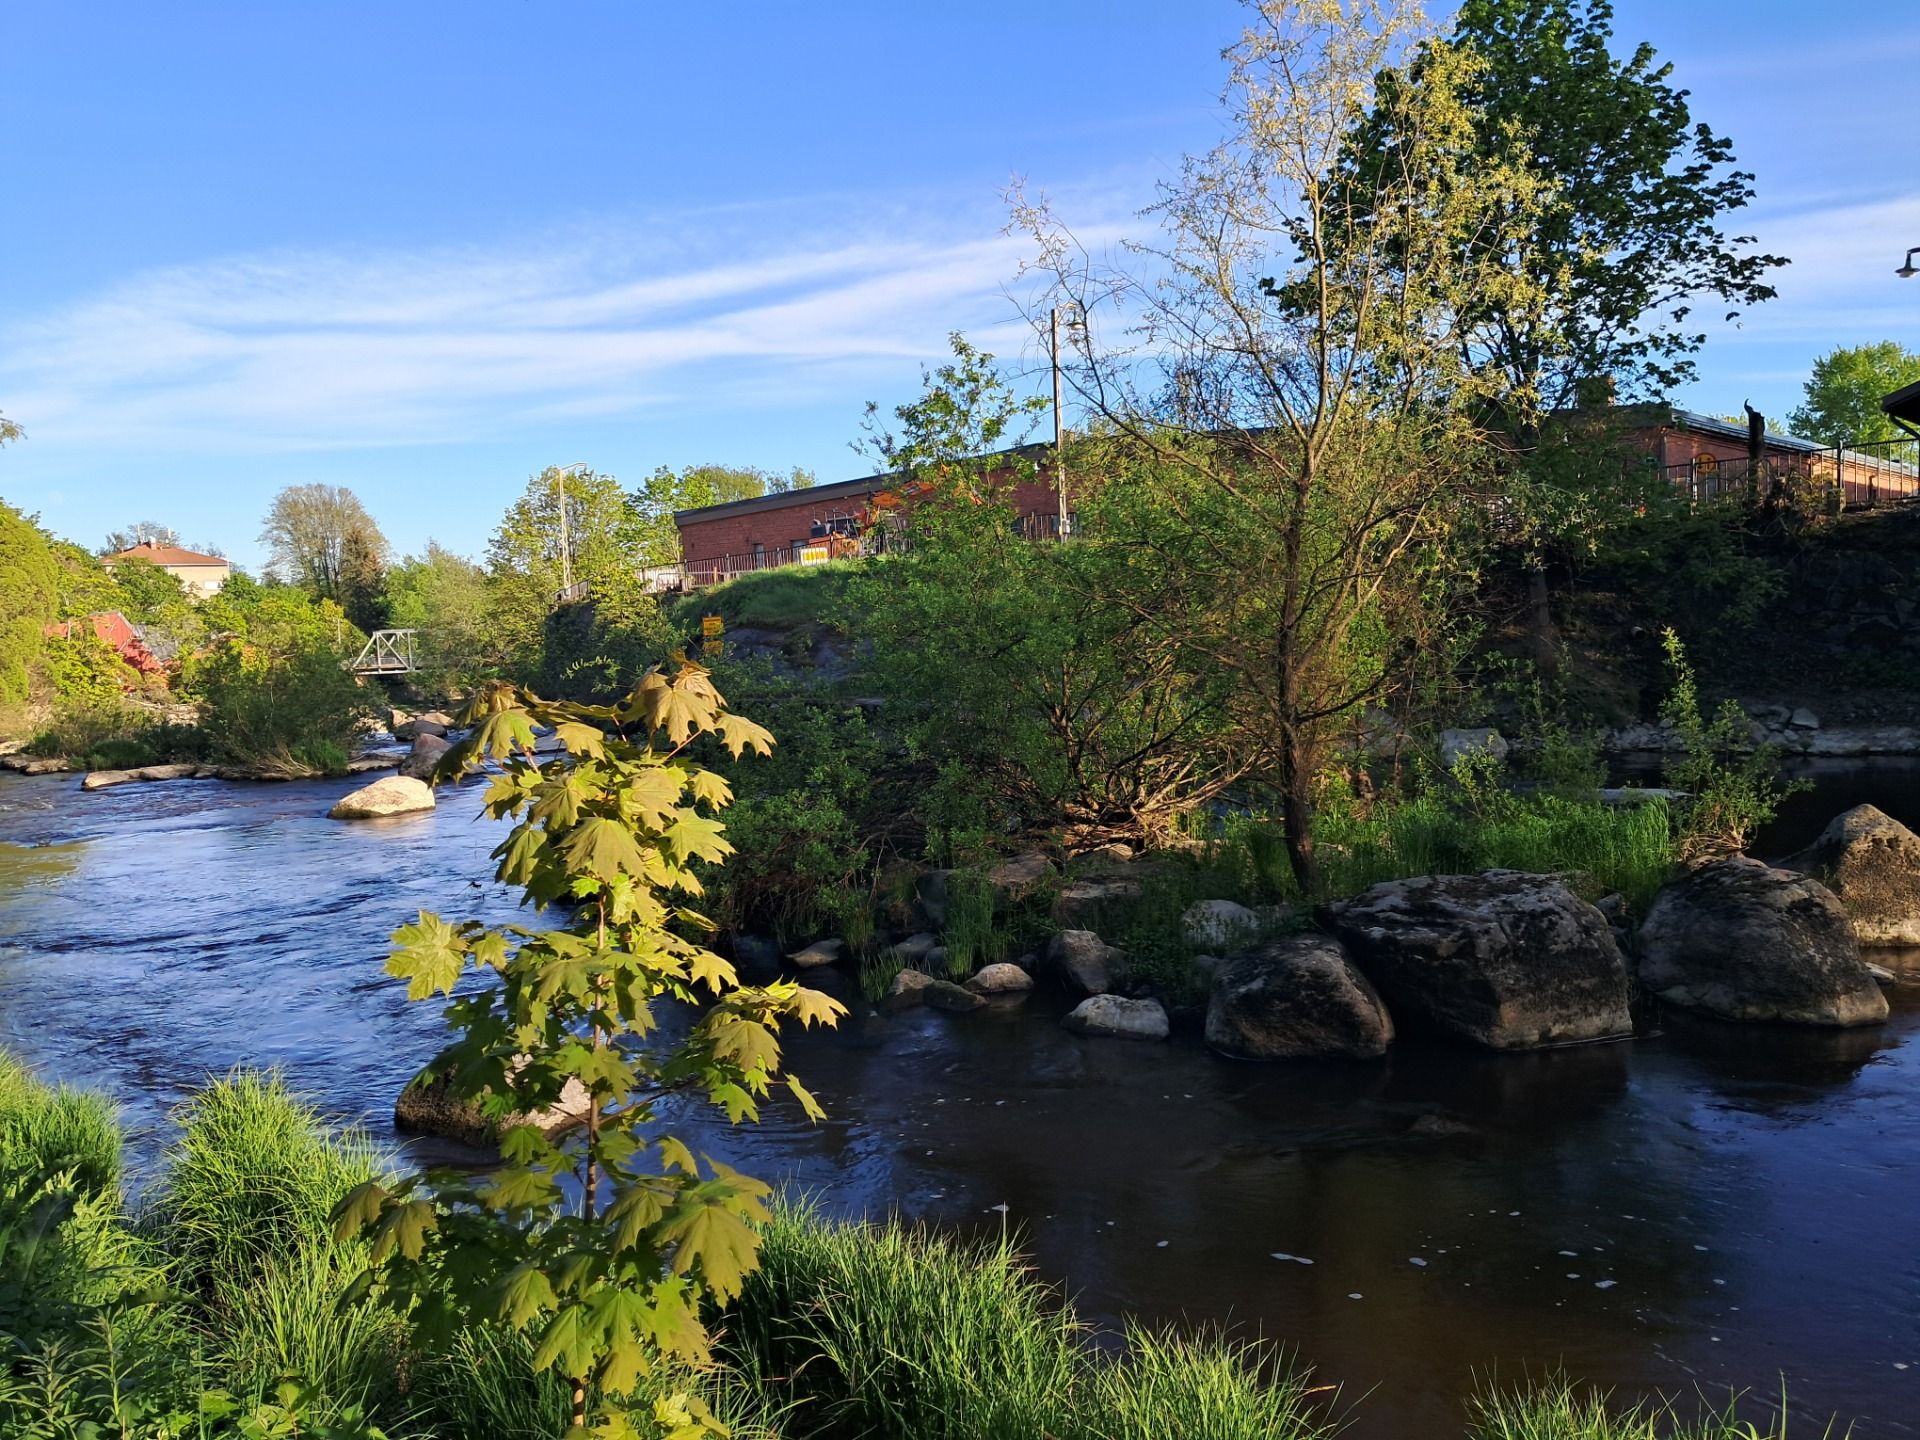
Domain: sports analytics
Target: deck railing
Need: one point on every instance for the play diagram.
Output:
(1860, 476)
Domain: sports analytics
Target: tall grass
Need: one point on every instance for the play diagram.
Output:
(46, 1131)
(899, 1333)
(1557, 1409)
(253, 1179)
(971, 934)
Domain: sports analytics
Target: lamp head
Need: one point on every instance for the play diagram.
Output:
(1909, 270)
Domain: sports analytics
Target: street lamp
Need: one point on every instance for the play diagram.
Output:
(1909, 270)
(566, 542)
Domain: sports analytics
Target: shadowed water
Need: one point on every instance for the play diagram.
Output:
(1711, 1206)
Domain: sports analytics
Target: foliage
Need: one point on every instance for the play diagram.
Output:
(528, 569)
(85, 670)
(892, 1332)
(783, 598)
(1624, 240)
(1732, 785)
(668, 490)
(610, 1281)
(321, 538)
(273, 682)
(139, 533)
(145, 593)
(443, 597)
(28, 600)
(80, 726)
(1298, 371)
(1556, 1409)
(1845, 390)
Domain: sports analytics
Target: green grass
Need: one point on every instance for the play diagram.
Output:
(900, 1333)
(1557, 1409)
(769, 599)
(253, 1179)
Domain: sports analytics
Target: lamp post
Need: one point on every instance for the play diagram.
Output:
(1909, 269)
(566, 541)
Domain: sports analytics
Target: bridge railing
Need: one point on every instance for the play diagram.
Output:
(387, 652)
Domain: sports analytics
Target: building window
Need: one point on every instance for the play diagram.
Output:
(759, 554)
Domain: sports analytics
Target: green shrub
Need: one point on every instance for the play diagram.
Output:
(1199, 1388)
(126, 753)
(81, 725)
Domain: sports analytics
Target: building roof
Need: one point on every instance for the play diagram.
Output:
(838, 490)
(1903, 405)
(156, 554)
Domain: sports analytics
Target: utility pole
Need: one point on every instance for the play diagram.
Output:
(1059, 428)
(566, 542)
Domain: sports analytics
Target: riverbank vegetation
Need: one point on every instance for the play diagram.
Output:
(223, 1302)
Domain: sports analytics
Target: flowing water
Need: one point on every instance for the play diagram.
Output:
(1708, 1207)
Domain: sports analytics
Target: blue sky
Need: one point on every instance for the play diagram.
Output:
(424, 250)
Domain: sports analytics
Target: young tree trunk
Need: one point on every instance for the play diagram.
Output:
(1543, 639)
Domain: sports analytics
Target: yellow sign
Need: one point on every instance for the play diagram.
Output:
(712, 647)
(712, 626)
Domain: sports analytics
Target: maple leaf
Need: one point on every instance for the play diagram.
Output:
(523, 1294)
(709, 1235)
(808, 1105)
(404, 1227)
(738, 733)
(359, 1209)
(429, 955)
(581, 739)
(710, 789)
(654, 792)
(694, 835)
(566, 1344)
(602, 848)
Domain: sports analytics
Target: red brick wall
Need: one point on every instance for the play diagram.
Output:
(707, 540)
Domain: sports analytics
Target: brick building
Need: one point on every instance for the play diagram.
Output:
(801, 526)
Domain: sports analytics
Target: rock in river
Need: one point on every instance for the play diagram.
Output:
(1219, 925)
(1119, 1017)
(820, 952)
(1745, 941)
(425, 756)
(1080, 958)
(433, 1109)
(1506, 959)
(101, 779)
(1000, 979)
(1872, 862)
(1296, 999)
(393, 795)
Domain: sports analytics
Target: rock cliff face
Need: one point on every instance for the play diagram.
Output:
(1505, 959)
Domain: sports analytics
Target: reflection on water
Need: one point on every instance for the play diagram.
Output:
(1715, 1205)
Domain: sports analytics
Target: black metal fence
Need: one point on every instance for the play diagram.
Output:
(1861, 476)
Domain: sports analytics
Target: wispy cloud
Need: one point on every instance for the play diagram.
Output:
(312, 350)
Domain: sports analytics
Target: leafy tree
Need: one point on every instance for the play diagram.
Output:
(1296, 374)
(321, 537)
(29, 600)
(1845, 390)
(668, 490)
(271, 682)
(604, 540)
(444, 597)
(1625, 240)
(145, 593)
(610, 1278)
(9, 430)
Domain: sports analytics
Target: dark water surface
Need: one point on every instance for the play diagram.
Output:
(1713, 1206)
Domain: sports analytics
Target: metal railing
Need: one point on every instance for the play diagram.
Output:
(387, 652)
(1861, 476)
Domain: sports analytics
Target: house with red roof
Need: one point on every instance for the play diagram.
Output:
(203, 575)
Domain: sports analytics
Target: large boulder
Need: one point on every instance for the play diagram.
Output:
(1505, 959)
(1084, 904)
(431, 1108)
(1296, 999)
(1119, 1017)
(1082, 961)
(1872, 862)
(1016, 878)
(820, 952)
(945, 995)
(424, 758)
(1457, 745)
(1219, 925)
(392, 795)
(1745, 941)
(908, 989)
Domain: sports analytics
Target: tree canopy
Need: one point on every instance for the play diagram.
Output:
(1845, 390)
(322, 538)
(1630, 195)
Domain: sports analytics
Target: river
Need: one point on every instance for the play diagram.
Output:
(1708, 1207)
